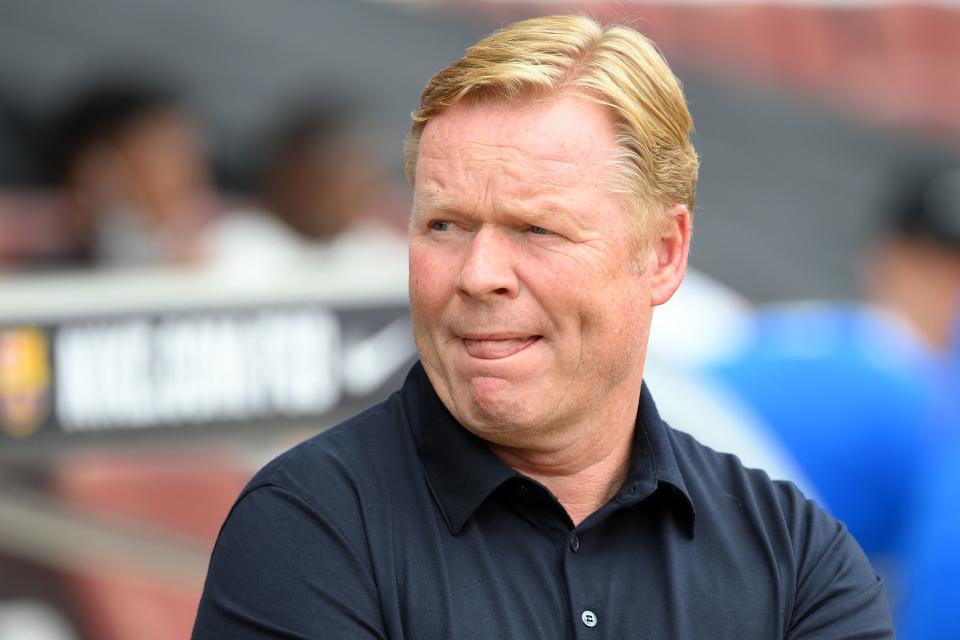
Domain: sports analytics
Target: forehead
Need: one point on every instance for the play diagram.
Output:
(565, 140)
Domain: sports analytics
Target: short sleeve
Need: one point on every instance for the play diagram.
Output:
(838, 594)
(282, 568)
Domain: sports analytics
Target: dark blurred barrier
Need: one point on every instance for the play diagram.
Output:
(169, 368)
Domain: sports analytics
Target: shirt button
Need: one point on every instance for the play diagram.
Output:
(589, 618)
(575, 543)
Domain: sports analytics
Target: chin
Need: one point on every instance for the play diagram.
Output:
(496, 407)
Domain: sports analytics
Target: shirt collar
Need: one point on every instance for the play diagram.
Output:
(653, 465)
(462, 471)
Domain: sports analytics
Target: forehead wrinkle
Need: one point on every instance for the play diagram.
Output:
(546, 162)
(560, 157)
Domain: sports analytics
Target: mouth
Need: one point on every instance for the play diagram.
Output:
(496, 347)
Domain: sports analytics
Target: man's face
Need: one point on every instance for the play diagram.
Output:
(531, 305)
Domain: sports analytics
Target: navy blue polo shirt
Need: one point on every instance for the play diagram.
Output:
(401, 524)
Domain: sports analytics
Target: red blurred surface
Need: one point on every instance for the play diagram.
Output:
(185, 495)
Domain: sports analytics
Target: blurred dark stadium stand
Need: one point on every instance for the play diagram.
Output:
(787, 154)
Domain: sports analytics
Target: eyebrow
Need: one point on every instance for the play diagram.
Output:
(430, 199)
(539, 214)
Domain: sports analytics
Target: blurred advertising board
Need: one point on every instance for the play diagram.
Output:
(167, 353)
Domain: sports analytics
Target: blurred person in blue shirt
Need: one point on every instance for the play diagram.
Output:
(860, 394)
(844, 387)
(930, 609)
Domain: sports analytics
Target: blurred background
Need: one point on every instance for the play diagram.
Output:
(203, 262)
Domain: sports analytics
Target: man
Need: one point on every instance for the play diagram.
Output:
(521, 483)
(131, 168)
(322, 198)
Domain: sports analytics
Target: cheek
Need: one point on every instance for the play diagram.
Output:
(430, 281)
(615, 315)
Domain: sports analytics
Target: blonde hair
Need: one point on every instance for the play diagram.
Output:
(614, 66)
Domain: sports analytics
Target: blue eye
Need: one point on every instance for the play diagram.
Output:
(439, 225)
(540, 231)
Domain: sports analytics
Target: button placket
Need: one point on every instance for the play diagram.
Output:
(577, 568)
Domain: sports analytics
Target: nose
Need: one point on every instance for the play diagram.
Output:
(488, 267)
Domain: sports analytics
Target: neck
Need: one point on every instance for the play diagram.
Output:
(586, 470)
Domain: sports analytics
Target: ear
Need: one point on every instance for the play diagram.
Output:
(669, 254)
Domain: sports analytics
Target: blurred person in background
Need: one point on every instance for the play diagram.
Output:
(932, 575)
(134, 177)
(320, 193)
(914, 271)
(844, 388)
(862, 395)
(320, 175)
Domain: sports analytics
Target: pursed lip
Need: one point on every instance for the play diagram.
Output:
(494, 346)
